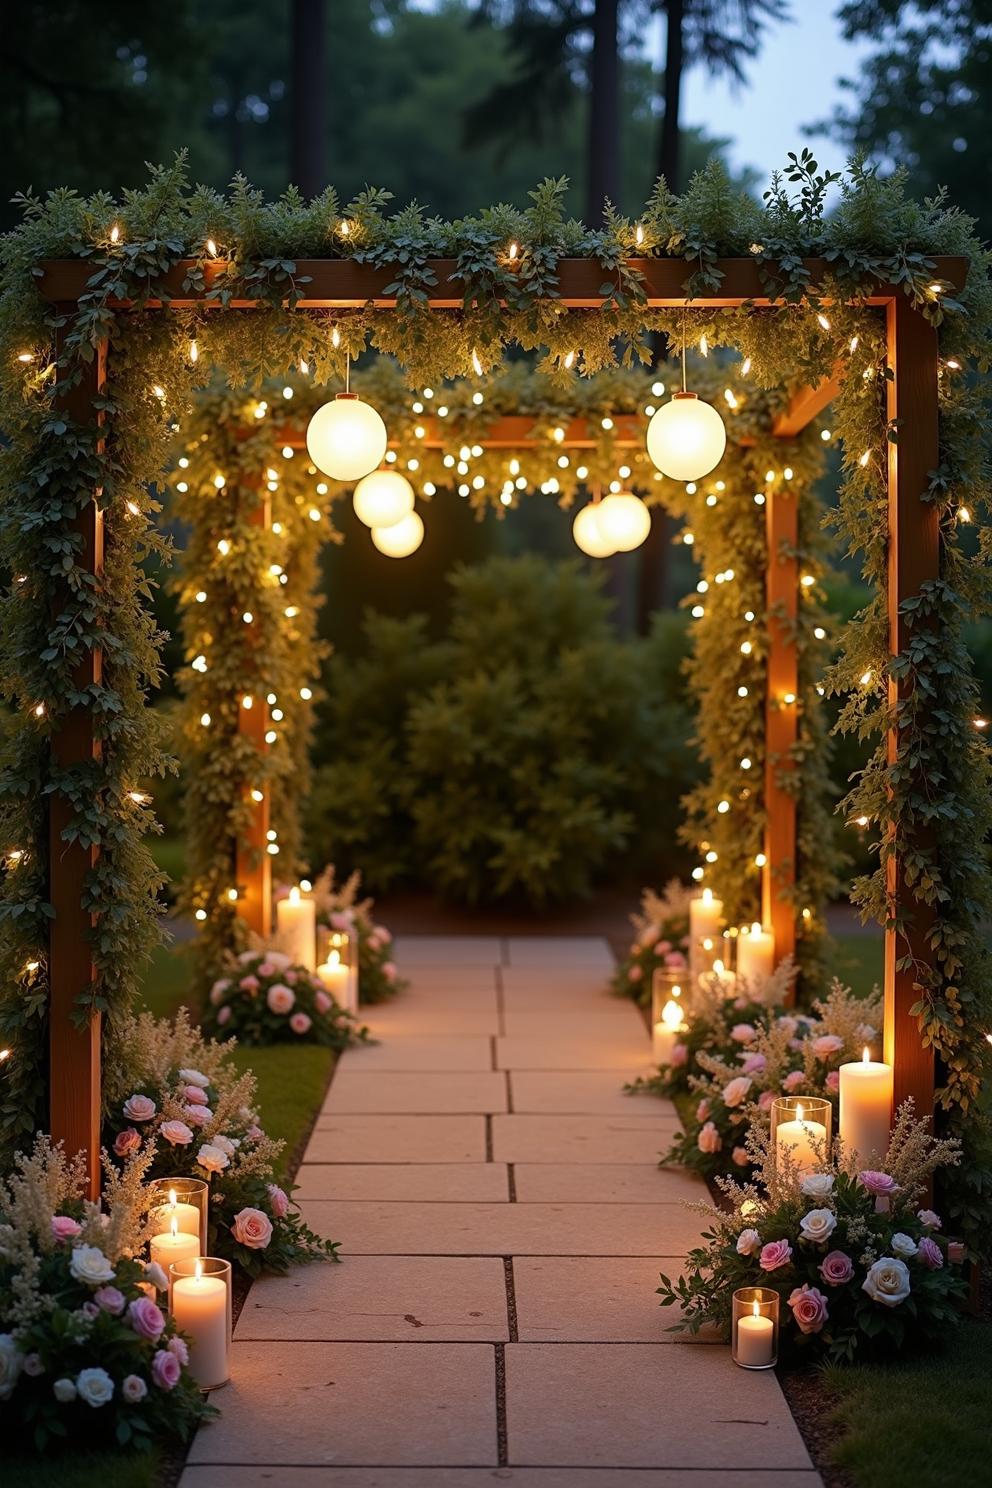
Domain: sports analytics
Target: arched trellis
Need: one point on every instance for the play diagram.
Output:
(243, 463)
(914, 534)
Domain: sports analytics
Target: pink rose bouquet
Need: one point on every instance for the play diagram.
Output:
(283, 1003)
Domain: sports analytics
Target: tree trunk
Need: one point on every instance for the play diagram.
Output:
(603, 153)
(653, 570)
(308, 97)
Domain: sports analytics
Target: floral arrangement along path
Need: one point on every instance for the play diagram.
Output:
(503, 1223)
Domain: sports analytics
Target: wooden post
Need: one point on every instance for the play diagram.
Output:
(914, 559)
(74, 1049)
(778, 876)
(253, 864)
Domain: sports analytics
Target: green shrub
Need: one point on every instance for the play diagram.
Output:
(528, 755)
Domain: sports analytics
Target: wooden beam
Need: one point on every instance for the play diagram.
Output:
(74, 1048)
(342, 284)
(914, 560)
(778, 876)
(805, 405)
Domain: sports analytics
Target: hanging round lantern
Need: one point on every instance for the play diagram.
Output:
(346, 438)
(402, 538)
(383, 498)
(686, 438)
(624, 521)
(587, 534)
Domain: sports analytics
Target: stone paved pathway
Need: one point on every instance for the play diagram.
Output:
(503, 1223)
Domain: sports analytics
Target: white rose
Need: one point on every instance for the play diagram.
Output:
(748, 1241)
(156, 1276)
(11, 1364)
(887, 1281)
(817, 1186)
(735, 1091)
(194, 1077)
(818, 1225)
(214, 1159)
(64, 1391)
(225, 1144)
(94, 1386)
(904, 1246)
(90, 1265)
(134, 1389)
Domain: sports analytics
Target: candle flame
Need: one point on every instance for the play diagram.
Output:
(718, 967)
(671, 1015)
(707, 896)
(198, 1271)
(756, 1311)
(294, 896)
(334, 959)
(866, 1055)
(174, 1227)
(755, 928)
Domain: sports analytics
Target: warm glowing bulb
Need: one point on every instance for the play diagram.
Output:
(686, 438)
(588, 534)
(671, 1014)
(346, 438)
(401, 538)
(624, 521)
(383, 498)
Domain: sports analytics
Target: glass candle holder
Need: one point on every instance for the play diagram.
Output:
(334, 940)
(337, 969)
(200, 1304)
(754, 1335)
(802, 1129)
(668, 1008)
(180, 1206)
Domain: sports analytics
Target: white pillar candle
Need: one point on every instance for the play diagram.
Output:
(755, 1340)
(726, 979)
(175, 1244)
(705, 917)
(200, 1310)
(296, 927)
(187, 1216)
(755, 953)
(338, 981)
(865, 1108)
(798, 1138)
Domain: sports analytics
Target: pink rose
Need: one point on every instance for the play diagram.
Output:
(200, 1115)
(109, 1299)
(928, 1253)
(836, 1268)
(754, 1064)
(252, 1228)
(635, 974)
(341, 919)
(742, 1033)
(127, 1141)
(218, 989)
(90, 1311)
(145, 1317)
(389, 971)
(300, 1022)
(956, 1252)
(133, 1389)
(166, 1369)
(279, 1200)
(766, 1100)
(675, 960)
(195, 1095)
(648, 936)
(177, 1346)
(740, 1157)
(64, 1228)
(793, 1081)
(703, 1110)
(384, 935)
(177, 1132)
(735, 1091)
(879, 1184)
(266, 969)
(928, 1219)
(279, 998)
(833, 1081)
(254, 1134)
(249, 984)
(709, 1139)
(139, 1108)
(663, 947)
(291, 978)
(776, 1253)
(223, 1016)
(826, 1045)
(678, 1056)
(322, 1002)
(809, 1308)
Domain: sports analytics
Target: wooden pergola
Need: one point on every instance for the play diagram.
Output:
(914, 560)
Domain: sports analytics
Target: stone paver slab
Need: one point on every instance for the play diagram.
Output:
(615, 1022)
(553, 990)
(408, 1016)
(478, 1183)
(412, 1052)
(590, 1139)
(588, 1299)
(446, 950)
(416, 1092)
(382, 1228)
(567, 1051)
(469, 1477)
(607, 1183)
(589, 952)
(392, 1139)
(371, 1403)
(421, 1298)
(645, 1405)
(580, 1092)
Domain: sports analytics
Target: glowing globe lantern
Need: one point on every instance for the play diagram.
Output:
(624, 521)
(402, 538)
(587, 534)
(346, 438)
(383, 498)
(686, 438)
